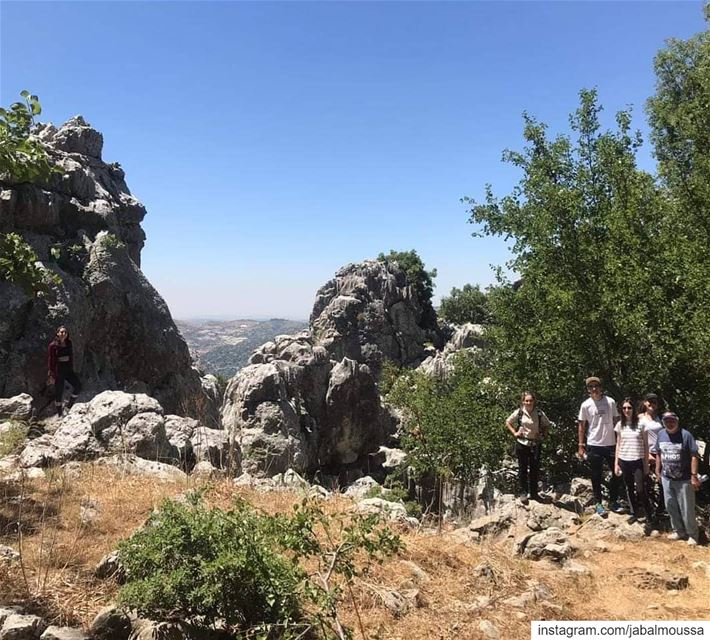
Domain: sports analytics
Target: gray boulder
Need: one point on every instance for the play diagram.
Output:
(111, 623)
(111, 422)
(85, 226)
(22, 627)
(16, 408)
(553, 543)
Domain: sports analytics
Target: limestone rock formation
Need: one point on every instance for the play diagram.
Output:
(118, 423)
(467, 336)
(370, 312)
(310, 401)
(84, 225)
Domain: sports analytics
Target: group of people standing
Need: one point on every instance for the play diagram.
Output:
(638, 445)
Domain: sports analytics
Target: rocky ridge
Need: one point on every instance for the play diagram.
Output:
(310, 401)
(84, 225)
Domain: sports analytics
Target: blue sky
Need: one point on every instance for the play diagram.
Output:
(273, 143)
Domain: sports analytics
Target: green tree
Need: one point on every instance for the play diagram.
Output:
(452, 426)
(589, 232)
(469, 304)
(678, 114)
(23, 158)
(413, 267)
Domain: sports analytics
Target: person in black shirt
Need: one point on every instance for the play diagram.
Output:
(60, 365)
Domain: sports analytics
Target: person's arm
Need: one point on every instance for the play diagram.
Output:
(581, 435)
(51, 362)
(644, 437)
(513, 431)
(694, 480)
(693, 446)
(658, 465)
(617, 468)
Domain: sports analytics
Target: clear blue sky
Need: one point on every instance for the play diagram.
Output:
(274, 142)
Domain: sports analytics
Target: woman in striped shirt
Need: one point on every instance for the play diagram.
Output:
(631, 458)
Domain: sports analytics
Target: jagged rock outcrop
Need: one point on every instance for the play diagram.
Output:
(310, 401)
(84, 225)
(118, 423)
(370, 312)
(465, 337)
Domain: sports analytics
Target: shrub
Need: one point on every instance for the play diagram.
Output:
(244, 567)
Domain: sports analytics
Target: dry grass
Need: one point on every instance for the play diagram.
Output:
(68, 524)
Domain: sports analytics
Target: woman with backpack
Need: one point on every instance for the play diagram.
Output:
(631, 459)
(528, 425)
(60, 365)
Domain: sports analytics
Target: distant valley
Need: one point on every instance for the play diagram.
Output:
(222, 347)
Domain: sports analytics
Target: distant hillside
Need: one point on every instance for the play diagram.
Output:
(222, 347)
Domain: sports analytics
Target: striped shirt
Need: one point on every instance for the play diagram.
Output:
(631, 441)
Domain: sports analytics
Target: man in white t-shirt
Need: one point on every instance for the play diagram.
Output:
(597, 440)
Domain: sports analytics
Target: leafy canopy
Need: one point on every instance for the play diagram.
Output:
(469, 304)
(23, 158)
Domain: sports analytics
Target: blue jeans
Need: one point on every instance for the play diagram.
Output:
(680, 505)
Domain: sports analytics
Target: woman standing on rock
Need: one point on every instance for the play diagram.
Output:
(528, 425)
(631, 459)
(60, 364)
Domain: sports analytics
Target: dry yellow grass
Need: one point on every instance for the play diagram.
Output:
(68, 524)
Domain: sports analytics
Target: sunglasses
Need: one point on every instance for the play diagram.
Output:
(627, 408)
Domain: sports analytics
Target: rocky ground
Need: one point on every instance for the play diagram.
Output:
(486, 578)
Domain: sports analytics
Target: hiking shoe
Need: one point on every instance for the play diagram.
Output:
(536, 497)
(523, 497)
(675, 536)
(71, 402)
(600, 509)
(616, 507)
(60, 410)
(631, 519)
(691, 542)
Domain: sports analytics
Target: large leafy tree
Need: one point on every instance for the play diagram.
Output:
(585, 224)
(468, 304)
(613, 263)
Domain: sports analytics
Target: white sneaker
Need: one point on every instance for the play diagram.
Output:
(674, 536)
(692, 542)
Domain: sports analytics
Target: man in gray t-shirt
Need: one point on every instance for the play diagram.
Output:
(677, 468)
(598, 414)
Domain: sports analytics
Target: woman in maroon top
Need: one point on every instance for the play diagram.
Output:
(60, 363)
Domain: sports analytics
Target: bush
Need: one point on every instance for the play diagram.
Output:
(244, 568)
(452, 427)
